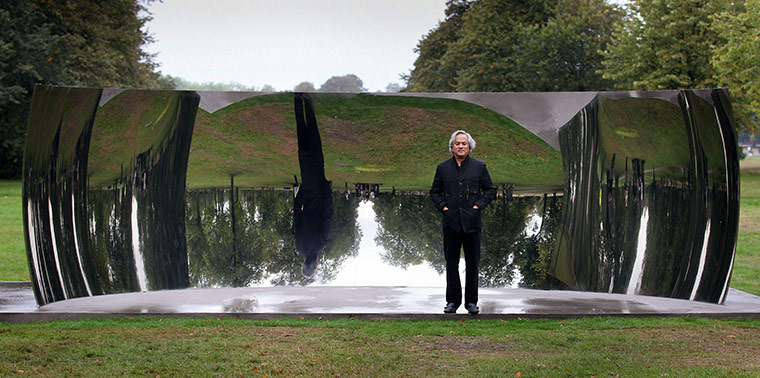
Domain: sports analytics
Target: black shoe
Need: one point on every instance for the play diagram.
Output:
(450, 308)
(471, 308)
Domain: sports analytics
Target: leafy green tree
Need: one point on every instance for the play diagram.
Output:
(665, 44)
(484, 55)
(737, 61)
(347, 84)
(528, 45)
(565, 52)
(429, 74)
(74, 42)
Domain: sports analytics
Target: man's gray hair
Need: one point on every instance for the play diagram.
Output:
(469, 140)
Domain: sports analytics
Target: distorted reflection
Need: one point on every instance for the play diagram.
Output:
(650, 198)
(132, 190)
(246, 237)
(313, 206)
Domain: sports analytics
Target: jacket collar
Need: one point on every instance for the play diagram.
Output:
(464, 162)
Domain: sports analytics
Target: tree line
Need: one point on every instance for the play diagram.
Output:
(480, 45)
(590, 45)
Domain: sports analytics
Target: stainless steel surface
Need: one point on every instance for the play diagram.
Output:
(112, 203)
(17, 304)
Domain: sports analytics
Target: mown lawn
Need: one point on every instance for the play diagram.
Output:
(593, 347)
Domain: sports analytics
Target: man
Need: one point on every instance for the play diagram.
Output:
(313, 205)
(461, 189)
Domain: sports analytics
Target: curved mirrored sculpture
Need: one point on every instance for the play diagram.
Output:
(652, 196)
(136, 190)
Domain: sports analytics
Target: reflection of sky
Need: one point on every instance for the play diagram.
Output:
(367, 268)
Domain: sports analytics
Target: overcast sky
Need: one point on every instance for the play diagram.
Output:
(285, 42)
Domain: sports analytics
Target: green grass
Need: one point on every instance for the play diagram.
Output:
(393, 140)
(13, 266)
(291, 347)
(746, 273)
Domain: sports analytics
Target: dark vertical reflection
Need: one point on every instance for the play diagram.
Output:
(143, 143)
(313, 205)
(647, 197)
(108, 218)
(723, 263)
(109, 214)
(579, 146)
(55, 166)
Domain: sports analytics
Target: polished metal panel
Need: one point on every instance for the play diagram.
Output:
(651, 197)
(133, 190)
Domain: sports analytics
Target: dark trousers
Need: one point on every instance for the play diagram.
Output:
(452, 245)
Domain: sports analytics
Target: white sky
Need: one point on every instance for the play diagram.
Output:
(285, 42)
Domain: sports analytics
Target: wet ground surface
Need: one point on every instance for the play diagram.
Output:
(17, 303)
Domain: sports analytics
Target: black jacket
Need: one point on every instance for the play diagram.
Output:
(459, 189)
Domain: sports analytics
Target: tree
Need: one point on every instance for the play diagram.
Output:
(737, 61)
(484, 56)
(492, 45)
(428, 74)
(346, 84)
(565, 52)
(304, 86)
(75, 42)
(665, 44)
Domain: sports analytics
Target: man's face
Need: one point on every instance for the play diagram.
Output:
(461, 146)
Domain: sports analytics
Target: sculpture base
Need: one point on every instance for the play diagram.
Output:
(17, 304)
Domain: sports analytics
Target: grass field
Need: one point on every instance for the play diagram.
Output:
(746, 273)
(594, 347)
(13, 265)
(590, 347)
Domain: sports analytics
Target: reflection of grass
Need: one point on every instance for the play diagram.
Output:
(366, 138)
(640, 128)
(129, 124)
(252, 139)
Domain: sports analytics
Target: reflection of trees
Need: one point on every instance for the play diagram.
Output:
(246, 239)
(225, 244)
(518, 238)
(534, 245)
(110, 239)
(344, 238)
(409, 229)
(505, 243)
